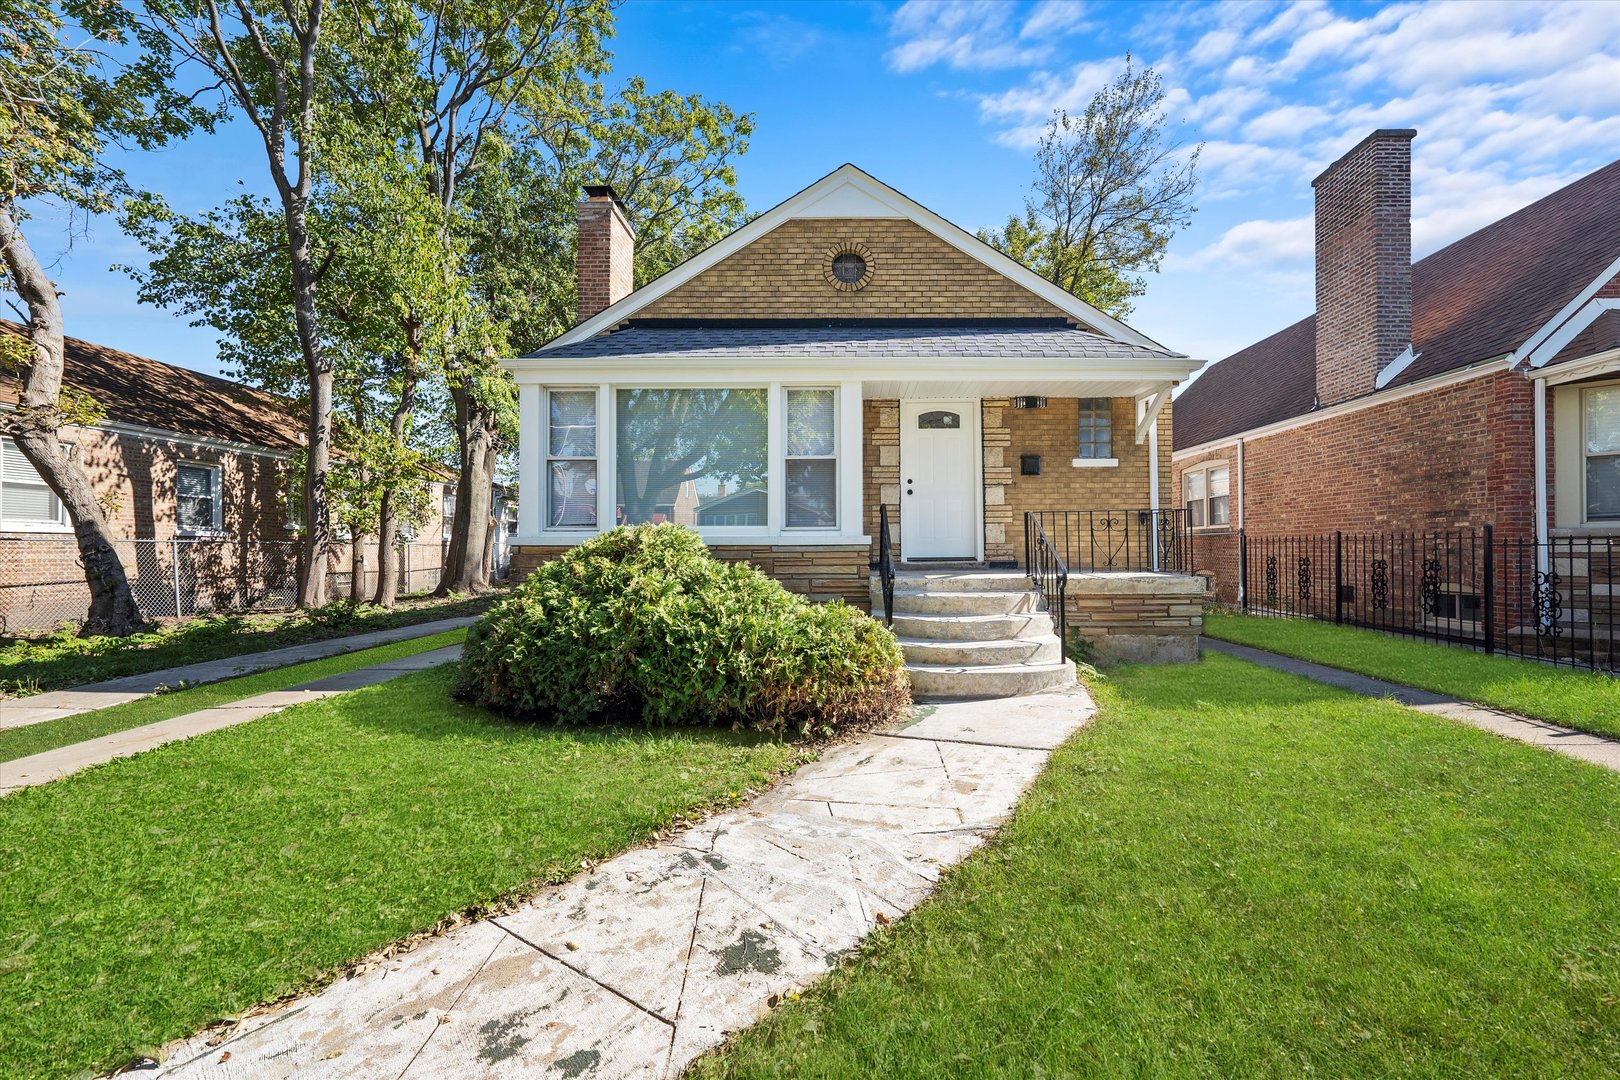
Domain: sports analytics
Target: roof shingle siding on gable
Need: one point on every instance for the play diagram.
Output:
(143, 392)
(1472, 301)
(914, 275)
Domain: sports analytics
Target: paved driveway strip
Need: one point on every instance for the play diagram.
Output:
(1577, 744)
(20, 712)
(654, 957)
(51, 765)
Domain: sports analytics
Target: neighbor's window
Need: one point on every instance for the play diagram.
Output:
(812, 463)
(25, 499)
(1096, 428)
(693, 457)
(571, 460)
(1601, 424)
(197, 497)
(1207, 493)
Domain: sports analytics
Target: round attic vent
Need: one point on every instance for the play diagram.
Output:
(848, 267)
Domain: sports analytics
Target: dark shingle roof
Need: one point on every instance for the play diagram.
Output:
(148, 393)
(1472, 301)
(833, 339)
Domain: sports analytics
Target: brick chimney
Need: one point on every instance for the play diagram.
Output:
(1363, 264)
(605, 258)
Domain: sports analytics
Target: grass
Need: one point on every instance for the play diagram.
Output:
(146, 898)
(1234, 872)
(50, 734)
(1579, 699)
(39, 663)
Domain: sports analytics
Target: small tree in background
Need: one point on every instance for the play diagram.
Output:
(1111, 188)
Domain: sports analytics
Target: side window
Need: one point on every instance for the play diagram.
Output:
(1096, 429)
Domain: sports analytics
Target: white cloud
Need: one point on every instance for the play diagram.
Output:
(1259, 243)
(1054, 17)
(961, 34)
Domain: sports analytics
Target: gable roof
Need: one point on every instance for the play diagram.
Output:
(1474, 300)
(142, 392)
(850, 192)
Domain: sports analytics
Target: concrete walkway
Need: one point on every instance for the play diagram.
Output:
(639, 966)
(57, 704)
(1577, 744)
(54, 764)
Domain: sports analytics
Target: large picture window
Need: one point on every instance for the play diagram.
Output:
(812, 461)
(571, 460)
(1600, 422)
(25, 499)
(693, 457)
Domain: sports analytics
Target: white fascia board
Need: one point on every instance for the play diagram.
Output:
(1533, 342)
(667, 371)
(1586, 367)
(803, 204)
(1556, 342)
(1371, 401)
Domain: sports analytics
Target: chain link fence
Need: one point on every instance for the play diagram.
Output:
(42, 580)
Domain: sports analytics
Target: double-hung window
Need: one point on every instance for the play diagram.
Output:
(1600, 442)
(26, 501)
(197, 497)
(1096, 432)
(571, 460)
(1207, 493)
(811, 468)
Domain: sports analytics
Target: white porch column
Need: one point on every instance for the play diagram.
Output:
(531, 459)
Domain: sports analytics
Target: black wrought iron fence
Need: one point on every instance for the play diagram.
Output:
(1051, 576)
(1101, 541)
(886, 564)
(1555, 600)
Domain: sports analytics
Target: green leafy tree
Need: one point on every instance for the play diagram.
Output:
(62, 99)
(1112, 187)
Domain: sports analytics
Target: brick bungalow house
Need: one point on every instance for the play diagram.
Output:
(846, 351)
(1479, 385)
(179, 456)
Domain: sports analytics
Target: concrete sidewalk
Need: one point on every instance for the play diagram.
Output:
(54, 764)
(1577, 744)
(57, 704)
(654, 957)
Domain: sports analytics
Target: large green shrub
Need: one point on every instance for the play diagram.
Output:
(641, 623)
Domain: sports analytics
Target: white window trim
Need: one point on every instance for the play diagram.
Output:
(217, 486)
(1568, 494)
(547, 458)
(1095, 463)
(62, 524)
(1205, 468)
(536, 417)
(838, 500)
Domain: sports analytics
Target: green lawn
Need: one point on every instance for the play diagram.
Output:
(37, 663)
(145, 898)
(50, 734)
(1234, 872)
(1581, 699)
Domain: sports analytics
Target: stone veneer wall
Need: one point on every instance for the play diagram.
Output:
(820, 572)
(880, 481)
(1137, 618)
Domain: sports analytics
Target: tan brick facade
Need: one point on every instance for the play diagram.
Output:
(782, 275)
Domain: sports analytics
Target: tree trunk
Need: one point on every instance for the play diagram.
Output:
(35, 425)
(318, 429)
(357, 570)
(465, 567)
(388, 516)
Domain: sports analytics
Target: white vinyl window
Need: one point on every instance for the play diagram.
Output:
(26, 501)
(571, 460)
(811, 472)
(197, 497)
(693, 457)
(1600, 425)
(1207, 494)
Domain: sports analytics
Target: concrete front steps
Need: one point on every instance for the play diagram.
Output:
(974, 634)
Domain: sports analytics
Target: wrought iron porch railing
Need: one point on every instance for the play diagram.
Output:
(1050, 575)
(1101, 541)
(886, 564)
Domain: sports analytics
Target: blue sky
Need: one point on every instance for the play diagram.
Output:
(944, 101)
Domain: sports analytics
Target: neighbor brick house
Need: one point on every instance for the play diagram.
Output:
(178, 456)
(846, 350)
(1479, 385)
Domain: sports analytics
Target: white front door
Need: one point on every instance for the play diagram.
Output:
(939, 474)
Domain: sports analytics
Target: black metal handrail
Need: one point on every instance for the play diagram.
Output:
(1050, 574)
(1103, 541)
(886, 564)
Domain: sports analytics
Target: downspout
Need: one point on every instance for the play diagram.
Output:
(1241, 583)
(1540, 428)
(1153, 487)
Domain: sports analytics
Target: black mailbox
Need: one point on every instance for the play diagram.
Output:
(1029, 464)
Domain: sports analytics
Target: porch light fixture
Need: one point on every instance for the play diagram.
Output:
(1029, 403)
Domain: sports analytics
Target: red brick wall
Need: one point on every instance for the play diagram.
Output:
(606, 256)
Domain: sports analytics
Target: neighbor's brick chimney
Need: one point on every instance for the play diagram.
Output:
(1363, 264)
(605, 259)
